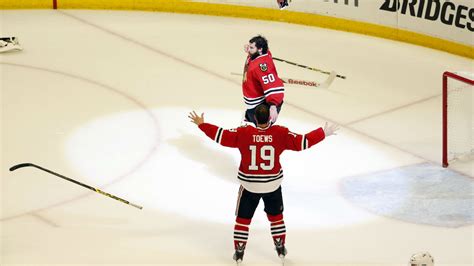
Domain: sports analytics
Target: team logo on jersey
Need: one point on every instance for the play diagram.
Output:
(263, 67)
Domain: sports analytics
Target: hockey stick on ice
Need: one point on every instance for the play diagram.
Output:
(21, 165)
(323, 85)
(308, 67)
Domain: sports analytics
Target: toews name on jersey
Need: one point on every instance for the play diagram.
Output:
(260, 170)
(262, 138)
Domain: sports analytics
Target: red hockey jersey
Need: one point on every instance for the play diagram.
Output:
(261, 82)
(260, 170)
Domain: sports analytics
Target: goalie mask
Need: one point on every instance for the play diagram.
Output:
(421, 259)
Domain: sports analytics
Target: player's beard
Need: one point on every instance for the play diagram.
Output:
(254, 55)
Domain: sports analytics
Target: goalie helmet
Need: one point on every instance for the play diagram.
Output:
(421, 259)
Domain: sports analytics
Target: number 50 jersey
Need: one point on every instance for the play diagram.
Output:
(261, 82)
(260, 170)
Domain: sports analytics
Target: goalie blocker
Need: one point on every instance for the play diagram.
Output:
(9, 44)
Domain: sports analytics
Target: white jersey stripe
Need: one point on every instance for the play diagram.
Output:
(260, 175)
(279, 89)
(259, 180)
(272, 93)
(248, 99)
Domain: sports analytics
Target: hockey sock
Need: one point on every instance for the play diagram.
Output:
(278, 229)
(241, 232)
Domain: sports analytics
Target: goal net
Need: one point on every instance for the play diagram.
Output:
(458, 116)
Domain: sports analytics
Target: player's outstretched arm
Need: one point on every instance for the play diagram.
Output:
(225, 137)
(195, 118)
(330, 129)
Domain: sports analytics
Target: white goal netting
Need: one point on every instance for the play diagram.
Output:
(460, 118)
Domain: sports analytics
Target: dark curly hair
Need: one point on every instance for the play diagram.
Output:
(260, 42)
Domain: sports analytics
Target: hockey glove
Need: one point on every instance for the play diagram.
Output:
(330, 129)
(273, 114)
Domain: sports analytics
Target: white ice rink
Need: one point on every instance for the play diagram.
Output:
(103, 97)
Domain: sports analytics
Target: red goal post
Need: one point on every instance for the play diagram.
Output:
(458, 118)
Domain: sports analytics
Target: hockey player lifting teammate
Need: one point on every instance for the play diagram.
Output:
(260, 173)
(260, 80)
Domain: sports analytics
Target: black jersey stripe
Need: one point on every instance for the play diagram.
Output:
(219, 135)
(252, 180)
(260, 176)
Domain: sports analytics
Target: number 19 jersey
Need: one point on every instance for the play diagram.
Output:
(260, 170)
